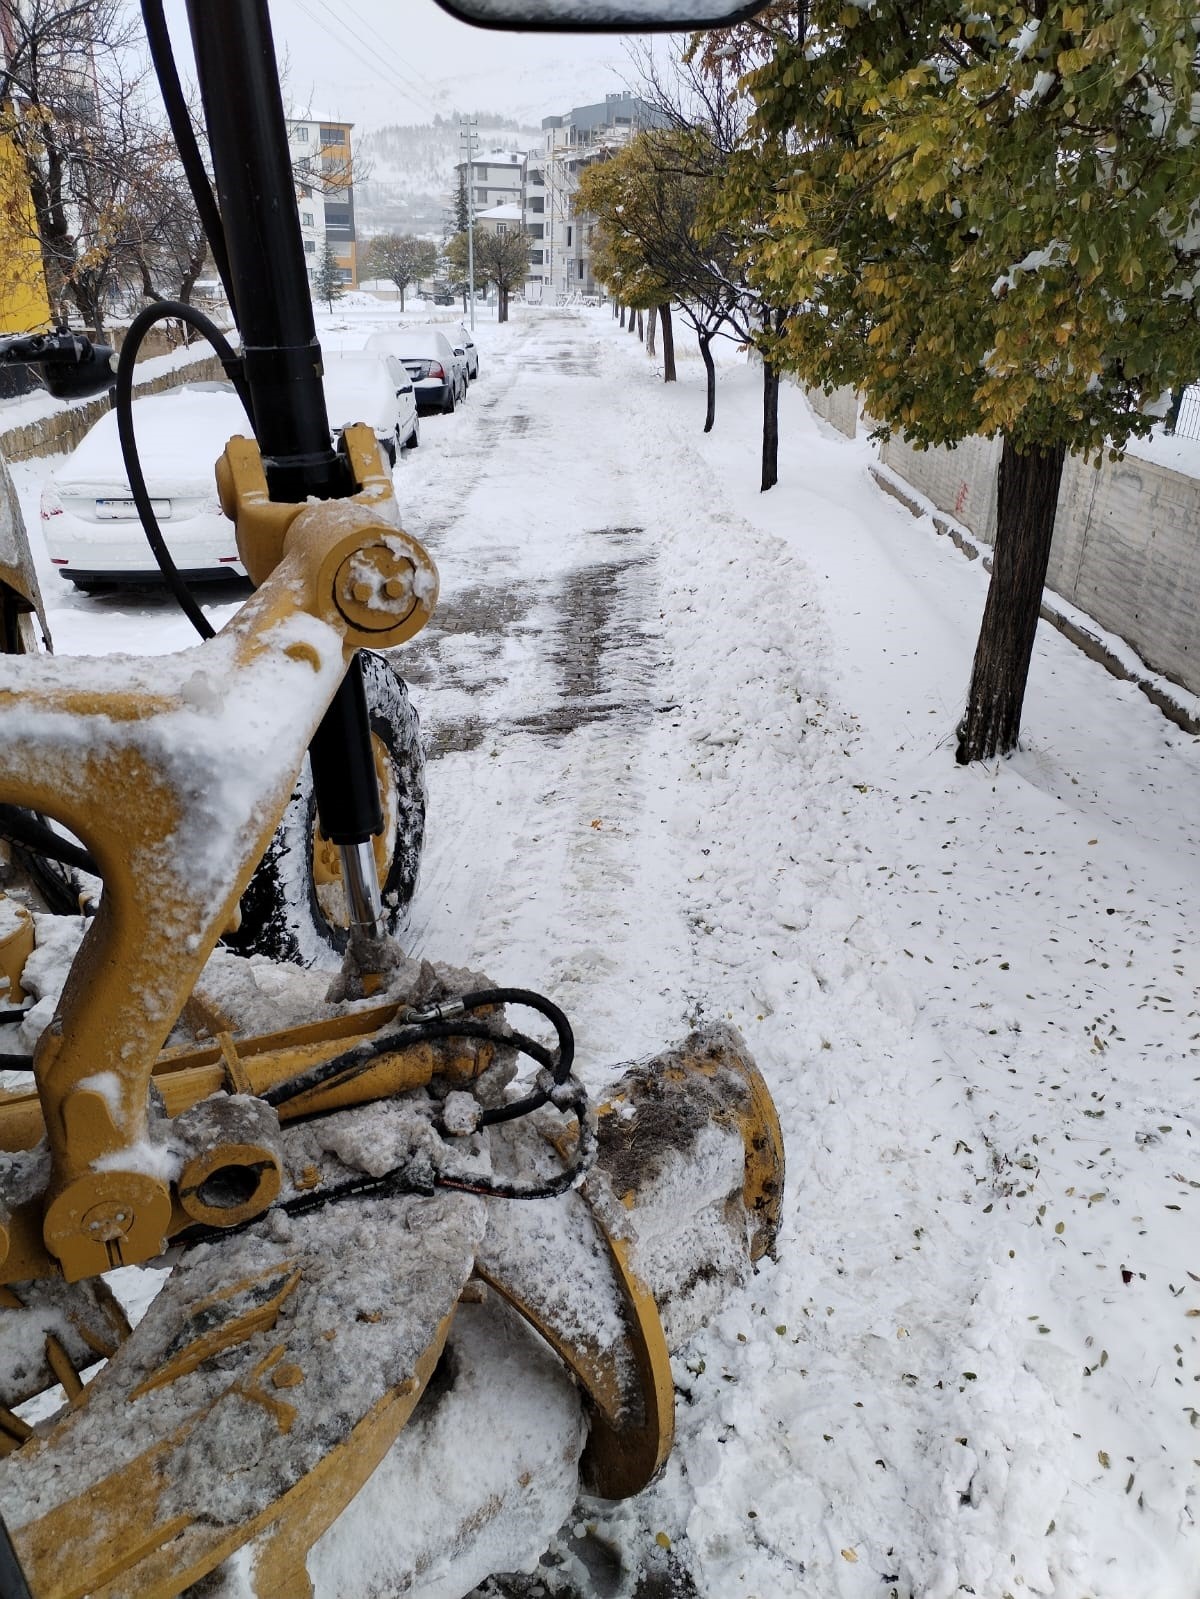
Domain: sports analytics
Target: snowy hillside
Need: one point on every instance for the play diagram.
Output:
(411, 169)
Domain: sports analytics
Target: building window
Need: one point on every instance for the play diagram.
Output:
(502, 227)
(480, 196)
(581, 270)
(300, 135)
(310, 247)
(534, 179)
(305, 192)
(568, 238)
(534, 230)
(333, 136)
(345, 275)
(537, 203)
(535, 257)
(306, 219)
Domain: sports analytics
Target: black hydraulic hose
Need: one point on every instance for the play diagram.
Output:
(123, 405)
(13, 1584)
(25, 827)
(444, 1021)
(180, 118)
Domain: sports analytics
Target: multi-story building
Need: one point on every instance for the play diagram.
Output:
(323, 163)
(536, 190)
(572, 142)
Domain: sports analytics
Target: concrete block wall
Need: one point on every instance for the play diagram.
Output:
(839, 409)
(63, 430)
(1126, 547)
(961, 481)
(1127, 551)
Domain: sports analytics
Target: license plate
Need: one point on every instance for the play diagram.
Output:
(126, 510)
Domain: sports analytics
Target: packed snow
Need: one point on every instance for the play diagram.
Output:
(692, 758)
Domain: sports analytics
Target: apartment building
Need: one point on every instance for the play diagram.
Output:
(572, 142)
(323, 163)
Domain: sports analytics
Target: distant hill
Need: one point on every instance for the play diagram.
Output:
(411, 169)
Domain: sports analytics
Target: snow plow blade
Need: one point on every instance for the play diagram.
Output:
(276, 1371)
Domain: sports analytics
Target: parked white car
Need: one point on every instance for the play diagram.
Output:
(439, 376)
(460, 332)
(372, 387)
(89, 520)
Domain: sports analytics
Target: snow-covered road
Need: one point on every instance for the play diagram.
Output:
(692, 758)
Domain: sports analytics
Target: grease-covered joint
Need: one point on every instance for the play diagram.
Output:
(233, 1167)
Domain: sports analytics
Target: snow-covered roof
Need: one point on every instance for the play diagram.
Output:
(500, 213)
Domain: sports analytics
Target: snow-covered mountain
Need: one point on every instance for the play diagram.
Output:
(409, 168)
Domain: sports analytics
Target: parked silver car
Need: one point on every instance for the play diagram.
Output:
(372, 387)
(461, 333)
(439, 376)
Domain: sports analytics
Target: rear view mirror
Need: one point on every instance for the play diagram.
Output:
(602, 16)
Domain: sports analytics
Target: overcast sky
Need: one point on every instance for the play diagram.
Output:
(378, 61)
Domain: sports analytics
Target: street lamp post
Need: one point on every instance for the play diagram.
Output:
(470, 138)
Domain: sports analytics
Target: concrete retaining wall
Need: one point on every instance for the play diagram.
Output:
(839, 409)
(961, 481)
(1127, 551)
(1126, 544)
(64, 429)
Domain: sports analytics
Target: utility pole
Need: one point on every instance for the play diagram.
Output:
(469, 135)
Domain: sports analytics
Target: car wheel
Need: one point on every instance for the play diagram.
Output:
(388, 446)
(414, 438)
(448, 408)
(93, 585)
(294, 907)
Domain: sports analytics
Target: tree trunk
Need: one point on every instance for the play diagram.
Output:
(622, 316)
(1026, 495)
(710, 372)
(502, 304)
(668, 333)
(633, 320)
(641, 328)
(770, 449)
(650, 321)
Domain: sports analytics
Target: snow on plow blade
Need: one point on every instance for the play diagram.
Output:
(277, 1369)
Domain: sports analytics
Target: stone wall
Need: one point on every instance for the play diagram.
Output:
(1126, 544)
(63, 430)
(839, 409)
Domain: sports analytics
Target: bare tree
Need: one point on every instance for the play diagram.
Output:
(500, 258)
(167, 247)
(401, 258)
(75, 109)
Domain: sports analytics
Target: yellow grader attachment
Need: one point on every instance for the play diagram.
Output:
(339, 1200)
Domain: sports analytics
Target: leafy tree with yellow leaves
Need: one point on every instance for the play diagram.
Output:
(990, 214)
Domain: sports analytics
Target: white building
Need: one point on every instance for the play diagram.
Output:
(536, 190)
(572, 142)
(324, 167)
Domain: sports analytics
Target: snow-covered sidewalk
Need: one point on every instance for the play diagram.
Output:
(974, 1367)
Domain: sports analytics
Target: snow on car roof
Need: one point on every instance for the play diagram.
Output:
(409, 341)
(179, 436)
(358, 388)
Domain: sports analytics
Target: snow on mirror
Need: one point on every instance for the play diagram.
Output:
(625, 16)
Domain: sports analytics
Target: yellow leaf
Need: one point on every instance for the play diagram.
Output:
(662, 1540)
(848, 1554)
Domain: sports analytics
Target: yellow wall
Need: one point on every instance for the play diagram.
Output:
(24, 307)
